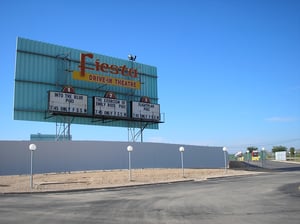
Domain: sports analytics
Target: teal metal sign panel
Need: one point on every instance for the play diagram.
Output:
(55, 84)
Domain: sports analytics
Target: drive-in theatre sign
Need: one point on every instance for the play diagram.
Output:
(107, 69)
(54, 82)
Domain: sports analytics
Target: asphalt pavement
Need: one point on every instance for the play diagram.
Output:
(271, 165)
(272, 197)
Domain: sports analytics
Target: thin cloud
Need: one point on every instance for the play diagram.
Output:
(282, 119)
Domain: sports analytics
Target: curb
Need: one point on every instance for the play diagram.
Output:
(97, 188)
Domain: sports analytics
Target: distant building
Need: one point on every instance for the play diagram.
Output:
(48, 137)
(280, 156)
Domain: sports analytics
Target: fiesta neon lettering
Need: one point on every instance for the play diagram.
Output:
(104, 67)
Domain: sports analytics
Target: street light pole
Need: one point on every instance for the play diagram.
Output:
(248, 155)
(129, 149)
(181, 150)
(32, 147)
(262, 156)
(225, 160)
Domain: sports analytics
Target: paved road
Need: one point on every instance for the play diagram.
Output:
(276, 166)
(265, 198)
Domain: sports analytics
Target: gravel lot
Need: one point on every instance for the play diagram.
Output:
(106, 178)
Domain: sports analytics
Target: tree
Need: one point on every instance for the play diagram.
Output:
(251, 149)
(279, 148)
(292, 151)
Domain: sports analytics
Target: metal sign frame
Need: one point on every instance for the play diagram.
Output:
(42, 68)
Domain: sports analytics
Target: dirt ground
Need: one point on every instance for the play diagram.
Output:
(106, 178)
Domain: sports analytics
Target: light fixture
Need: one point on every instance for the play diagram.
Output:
(32, 148)
(129, 149)
(131, 57)
(181, 150)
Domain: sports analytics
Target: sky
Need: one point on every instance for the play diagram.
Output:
(228, 70)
